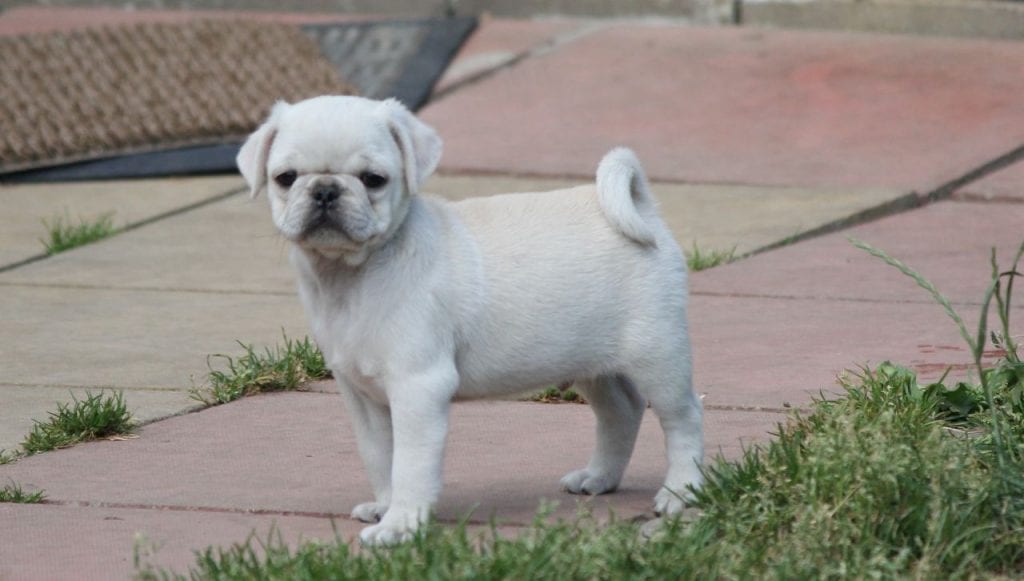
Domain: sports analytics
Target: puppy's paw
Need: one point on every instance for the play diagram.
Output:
(582, 481)
(669, 502)
(384, 535)
(369, 511)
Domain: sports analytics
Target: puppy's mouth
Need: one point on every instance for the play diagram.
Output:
(326, 225)
(321, 220)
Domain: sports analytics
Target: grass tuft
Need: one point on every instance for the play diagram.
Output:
(698, 259)
(870, 485)
(7, 457)
(556, 394)
(13, 493)
(1006, 379)
(96, 416)
(278, 369)
(63, 234)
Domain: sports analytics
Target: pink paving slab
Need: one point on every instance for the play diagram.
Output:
(295, 454)
(948, 242)
(746, 106)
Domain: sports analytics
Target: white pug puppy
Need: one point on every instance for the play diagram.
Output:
(416, 301)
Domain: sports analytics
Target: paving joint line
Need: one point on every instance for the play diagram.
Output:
(242, 511)
(737, 295)
(946, 190)
(135, 225)
(139, 388)
(754, 408)
(654, 179)
(902, 203)
(158, 289)
(547, 47)
(899, 205)
(189, 508)
(969, 198)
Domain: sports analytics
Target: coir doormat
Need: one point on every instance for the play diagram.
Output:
(91, 93)
(171, 99)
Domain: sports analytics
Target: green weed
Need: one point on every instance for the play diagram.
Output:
(63, 234)
(1001, 385)
(278, 369)
(697, 259)
(13, 493)
(96, 416)
(869, 485)
(556, 394)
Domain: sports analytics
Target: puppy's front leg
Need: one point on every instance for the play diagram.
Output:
(419, 413)
(372, 423)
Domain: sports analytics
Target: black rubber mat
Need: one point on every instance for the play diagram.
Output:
(401, 59)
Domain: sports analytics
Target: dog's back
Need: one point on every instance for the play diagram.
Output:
(568, 289)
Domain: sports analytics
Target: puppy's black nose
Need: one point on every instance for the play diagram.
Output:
(325, 194)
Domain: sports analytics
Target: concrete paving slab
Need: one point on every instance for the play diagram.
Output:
(295, 453)
(748, 218)
(745, 106)
(712, 216)
(26, 206)
(1005, 185)
(23, 404)
(232, 246)
(964, 18)
(96, 338)
(947, 242)
(228, 246)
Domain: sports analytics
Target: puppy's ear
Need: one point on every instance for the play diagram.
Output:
(252, 158)
(418, 142)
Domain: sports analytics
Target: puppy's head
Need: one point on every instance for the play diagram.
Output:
(339, 171)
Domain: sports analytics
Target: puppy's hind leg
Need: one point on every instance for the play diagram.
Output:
(619, 409)
(668, 387)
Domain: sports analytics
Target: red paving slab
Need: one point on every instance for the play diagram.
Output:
(745, 106)
(497, 41)
(948, 242)
(58, 542)
(769, 352)
(300, 444)
(51, 542)
(796, 317)
(295, 454)
(1005, 185)
(29, 19)
(289, 460)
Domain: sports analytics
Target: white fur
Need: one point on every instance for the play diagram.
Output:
(416, 301)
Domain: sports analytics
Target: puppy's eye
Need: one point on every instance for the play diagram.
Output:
(372, 180)
(286, 179)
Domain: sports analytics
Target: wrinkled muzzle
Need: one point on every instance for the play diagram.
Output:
(332, 212)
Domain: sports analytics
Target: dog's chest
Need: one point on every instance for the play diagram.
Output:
(351, 332)
(350, 352)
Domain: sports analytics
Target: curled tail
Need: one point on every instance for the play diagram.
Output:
(624, 195)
